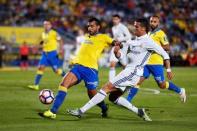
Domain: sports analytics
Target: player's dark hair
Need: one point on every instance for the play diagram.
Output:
(144, 23)
(97, 21)
(155, 16)
(116, 15)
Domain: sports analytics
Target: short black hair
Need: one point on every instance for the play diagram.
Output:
(144, 23)
(116, 15)
(97, 21)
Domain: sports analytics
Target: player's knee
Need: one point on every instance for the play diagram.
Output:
(112, 64)
(162, 85)
(41, 68)
(40, 72)
(58, 71)
(112, 98)
(91, 93)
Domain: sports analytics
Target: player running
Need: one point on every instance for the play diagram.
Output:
(140, 51)
(50, 40)
(85, 68)
(120, 33)
(155, 64)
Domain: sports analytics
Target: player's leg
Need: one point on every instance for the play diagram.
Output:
(125, 79)
(70, 79)
(41, 66)
(113, 60)
(90, 77)
(134, 90)
(122, 80)
(158, 73)
(54, 62)
(98, 98)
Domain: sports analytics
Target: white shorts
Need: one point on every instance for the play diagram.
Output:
(124, 51)
(126, 79)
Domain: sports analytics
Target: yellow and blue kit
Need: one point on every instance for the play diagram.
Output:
(49, 55)
(155, 63)
(86, 61)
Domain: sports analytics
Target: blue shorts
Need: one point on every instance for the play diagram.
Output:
(156, 70)
(49, 59)
(88, 75)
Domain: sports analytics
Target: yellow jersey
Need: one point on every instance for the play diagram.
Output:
(91, 49)
(49, 39)
(161, 39)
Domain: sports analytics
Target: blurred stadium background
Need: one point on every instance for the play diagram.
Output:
(21, 20)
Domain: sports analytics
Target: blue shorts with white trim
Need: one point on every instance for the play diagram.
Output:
(88, 75)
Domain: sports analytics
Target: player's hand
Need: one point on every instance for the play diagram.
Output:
(117, 43)
(170, 75)
(116, 51)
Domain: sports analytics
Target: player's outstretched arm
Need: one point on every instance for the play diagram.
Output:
(168, 69)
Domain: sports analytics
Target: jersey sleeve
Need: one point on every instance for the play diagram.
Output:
(152, 46)
(163, 38)
(108, 39)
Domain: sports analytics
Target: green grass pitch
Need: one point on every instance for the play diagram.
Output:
(19, 106)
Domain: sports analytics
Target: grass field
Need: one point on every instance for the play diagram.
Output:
(19, 106)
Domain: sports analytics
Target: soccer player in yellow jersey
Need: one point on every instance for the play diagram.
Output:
(85, 67)
(50, 39)
(155, 64)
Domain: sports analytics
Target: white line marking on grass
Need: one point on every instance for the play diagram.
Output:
(156, 92)
(151, 90)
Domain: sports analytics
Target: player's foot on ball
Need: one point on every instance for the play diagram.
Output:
(183, 95)
(33, 87)
(104, 112)
(142, 114)
(48, 114)
(76, 112)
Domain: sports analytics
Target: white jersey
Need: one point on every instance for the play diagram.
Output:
(67, 51)
(140, 51)
(121, 33)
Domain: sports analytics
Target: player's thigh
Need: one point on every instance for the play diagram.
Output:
(158, 73)
(90, 77)
(43, 61)
(53, 60)
(126, 78)
(146, 72)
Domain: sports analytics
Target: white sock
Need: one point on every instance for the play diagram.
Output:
(100, 96)
(112, 73)
(125, 103)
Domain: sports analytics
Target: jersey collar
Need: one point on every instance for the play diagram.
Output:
(155, 30)
(141, 37)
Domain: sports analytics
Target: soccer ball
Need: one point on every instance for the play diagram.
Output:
(46, 96)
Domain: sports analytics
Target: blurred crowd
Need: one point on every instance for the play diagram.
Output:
(178, 18)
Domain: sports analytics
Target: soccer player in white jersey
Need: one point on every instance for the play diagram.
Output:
(140, 51)
(120, 33)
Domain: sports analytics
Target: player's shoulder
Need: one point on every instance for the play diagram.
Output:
(103, 35)
(53, 31)
(161, 32)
